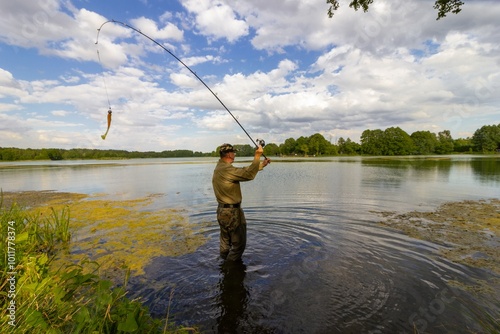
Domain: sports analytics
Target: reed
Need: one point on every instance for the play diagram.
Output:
(61, 224)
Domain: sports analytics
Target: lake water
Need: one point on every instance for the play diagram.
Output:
(316, 259)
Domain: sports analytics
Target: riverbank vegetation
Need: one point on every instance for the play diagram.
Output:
(40, 295)
(389, 142)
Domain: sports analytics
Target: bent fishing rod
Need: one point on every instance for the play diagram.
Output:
(257, 142)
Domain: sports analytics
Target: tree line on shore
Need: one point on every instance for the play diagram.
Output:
(13, 154)
(391, 141)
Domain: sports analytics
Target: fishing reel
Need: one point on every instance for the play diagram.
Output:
(260, 142)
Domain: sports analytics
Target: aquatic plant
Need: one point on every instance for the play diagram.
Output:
(37, 298)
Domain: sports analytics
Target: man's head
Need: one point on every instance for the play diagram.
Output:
(225, 150)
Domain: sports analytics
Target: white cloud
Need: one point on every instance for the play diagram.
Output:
(9, 107)
(9, 87)
(60, 113)
(184, 80)
(216, 19)
(150, 28)
(393, 66)
(192, 61)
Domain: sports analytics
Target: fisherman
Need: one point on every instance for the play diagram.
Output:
(226, 183)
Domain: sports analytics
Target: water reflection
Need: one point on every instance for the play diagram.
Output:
(395, 171)
(486, 170)
(233, 297)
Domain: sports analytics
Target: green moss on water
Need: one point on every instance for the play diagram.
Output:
(70, 298)
(123, 234)
(469, 231)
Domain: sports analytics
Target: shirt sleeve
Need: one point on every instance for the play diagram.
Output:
(242, 174)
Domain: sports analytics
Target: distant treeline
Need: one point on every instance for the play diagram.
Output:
(391, 141)
(12, 154)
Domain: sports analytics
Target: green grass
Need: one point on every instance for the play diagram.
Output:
(37, 298)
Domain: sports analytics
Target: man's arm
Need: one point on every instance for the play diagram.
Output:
(258, 153)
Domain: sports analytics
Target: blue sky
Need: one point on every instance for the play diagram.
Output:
(284, 69)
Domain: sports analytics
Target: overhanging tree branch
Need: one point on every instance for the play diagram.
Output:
(443, 6)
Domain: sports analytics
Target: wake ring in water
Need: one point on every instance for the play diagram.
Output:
(361, 301)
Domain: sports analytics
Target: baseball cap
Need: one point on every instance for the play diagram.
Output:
(225, 148)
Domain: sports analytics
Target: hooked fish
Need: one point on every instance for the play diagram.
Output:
(109, 124)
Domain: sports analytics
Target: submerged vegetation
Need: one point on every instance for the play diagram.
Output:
(468, 230)
(47, 290)
(468, 233)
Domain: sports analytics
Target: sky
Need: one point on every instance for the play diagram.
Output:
(283, 69)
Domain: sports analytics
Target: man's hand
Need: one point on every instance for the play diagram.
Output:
(259, 151)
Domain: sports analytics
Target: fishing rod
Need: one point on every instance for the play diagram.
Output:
(256, 142)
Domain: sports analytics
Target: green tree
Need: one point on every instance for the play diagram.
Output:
(372, 142)
(288, 147)
(347, 146)
(397, 142)
(271, 149)
(55, 154)
(318, 145)
(487, 138)
(245, 150)
(341, 144)
(443, 6)
(425, 142)
(302, 146)
(303, 149)
(6, 154)
(333, 149)
(43, 154)
(445, 142)
(462, 145)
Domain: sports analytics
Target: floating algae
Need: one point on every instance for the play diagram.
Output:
(468, 231)
(118, 234)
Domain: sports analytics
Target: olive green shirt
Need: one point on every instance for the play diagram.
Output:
(226, 180)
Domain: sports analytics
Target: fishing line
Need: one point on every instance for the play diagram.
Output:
(103, 80)
(107, 95)
(255, 142)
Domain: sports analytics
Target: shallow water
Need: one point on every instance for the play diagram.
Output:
(316, 259)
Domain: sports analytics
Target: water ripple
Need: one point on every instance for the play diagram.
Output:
(311, 269)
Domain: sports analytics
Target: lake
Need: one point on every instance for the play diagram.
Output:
(317, 261)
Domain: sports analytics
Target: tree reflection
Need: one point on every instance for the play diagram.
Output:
(486, 170)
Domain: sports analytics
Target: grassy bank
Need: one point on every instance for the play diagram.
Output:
(38, 297)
